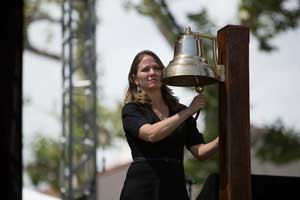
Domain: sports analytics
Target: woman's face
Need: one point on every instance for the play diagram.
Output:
(149, 74)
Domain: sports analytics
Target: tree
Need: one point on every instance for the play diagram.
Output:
(46, 150)
(267, 19)
(39, 170)
(35, 11)
(277, 144)
(44, 169)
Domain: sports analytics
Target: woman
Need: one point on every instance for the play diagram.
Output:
(157, 128)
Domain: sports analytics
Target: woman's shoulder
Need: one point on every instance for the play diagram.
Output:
(132, 106)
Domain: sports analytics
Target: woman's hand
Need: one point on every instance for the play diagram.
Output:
(197, 103)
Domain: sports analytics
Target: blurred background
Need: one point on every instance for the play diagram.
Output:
(125, 27)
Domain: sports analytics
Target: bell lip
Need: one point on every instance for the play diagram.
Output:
(188, 74)
(191, 83)
(184, 74)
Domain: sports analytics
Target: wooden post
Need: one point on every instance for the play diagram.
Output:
(234, 122)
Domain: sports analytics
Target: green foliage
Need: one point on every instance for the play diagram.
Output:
(44, 169)
(199, 170)
(46, 151)
(110, 123)
(161, 15)
(202, 21)
(268, 18)
(279, 145)
(37, 11)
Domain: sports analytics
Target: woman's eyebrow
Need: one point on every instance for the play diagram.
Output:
(150, 65)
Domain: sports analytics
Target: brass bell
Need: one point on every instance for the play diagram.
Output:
(189, 68)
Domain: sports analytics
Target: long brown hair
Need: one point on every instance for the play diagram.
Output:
(132, 93)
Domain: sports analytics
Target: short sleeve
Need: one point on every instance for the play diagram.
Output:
(193, 136)
(133, 118)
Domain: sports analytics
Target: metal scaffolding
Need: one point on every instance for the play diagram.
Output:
(79, 138)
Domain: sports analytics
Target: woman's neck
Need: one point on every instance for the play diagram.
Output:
(156, 98)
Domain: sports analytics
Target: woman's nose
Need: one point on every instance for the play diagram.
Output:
(152, 71)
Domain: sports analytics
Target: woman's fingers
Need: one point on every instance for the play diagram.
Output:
(198, 102)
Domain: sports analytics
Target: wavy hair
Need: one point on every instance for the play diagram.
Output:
(132, 93)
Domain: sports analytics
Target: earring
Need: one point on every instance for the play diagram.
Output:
(138, 89)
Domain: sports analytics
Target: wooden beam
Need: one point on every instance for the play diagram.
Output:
(234, 117)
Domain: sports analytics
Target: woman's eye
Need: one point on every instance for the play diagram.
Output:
(145, 70)
(155, 68)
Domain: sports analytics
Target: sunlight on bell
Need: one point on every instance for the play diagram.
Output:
(189, 67)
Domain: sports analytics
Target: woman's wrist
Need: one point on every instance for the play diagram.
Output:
(189, 111)
(217, 142)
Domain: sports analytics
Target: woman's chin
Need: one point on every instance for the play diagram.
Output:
(153, 87)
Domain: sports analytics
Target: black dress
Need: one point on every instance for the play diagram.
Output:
(157, 171)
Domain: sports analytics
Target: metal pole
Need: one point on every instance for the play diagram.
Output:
(79, 110)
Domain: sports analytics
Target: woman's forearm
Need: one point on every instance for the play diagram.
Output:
(160, 130)
(205, 151)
